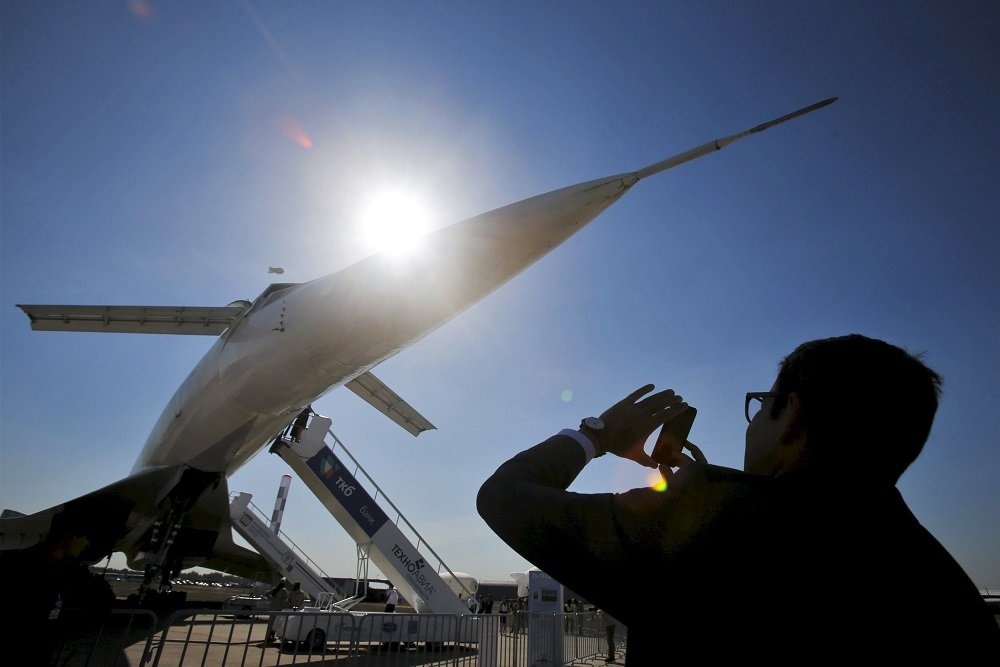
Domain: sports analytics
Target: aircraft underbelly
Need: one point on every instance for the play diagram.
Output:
(304, 341)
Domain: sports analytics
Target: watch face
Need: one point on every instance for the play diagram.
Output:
(593, 422)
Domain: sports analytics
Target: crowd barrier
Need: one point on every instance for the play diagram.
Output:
(211, 638)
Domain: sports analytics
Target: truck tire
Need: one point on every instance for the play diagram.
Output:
(316, 640)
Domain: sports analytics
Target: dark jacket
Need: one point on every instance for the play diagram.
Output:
(787, 569)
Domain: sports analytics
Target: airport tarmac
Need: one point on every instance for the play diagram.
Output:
(221, 640)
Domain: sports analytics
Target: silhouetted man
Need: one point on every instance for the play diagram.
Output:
(808, 554)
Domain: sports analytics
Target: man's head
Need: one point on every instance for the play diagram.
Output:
(850, 401)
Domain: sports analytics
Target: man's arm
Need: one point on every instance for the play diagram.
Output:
(589, 542)
(581, 540)
(526, 503)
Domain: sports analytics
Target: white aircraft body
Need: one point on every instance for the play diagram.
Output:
(277, 355)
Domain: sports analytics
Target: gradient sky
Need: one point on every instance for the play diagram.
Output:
(168, 153)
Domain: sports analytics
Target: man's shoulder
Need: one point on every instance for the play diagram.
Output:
(704, 484)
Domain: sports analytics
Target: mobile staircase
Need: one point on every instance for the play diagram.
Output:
(343, 489)
(284, 556)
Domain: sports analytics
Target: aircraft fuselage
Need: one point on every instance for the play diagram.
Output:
(298, 342)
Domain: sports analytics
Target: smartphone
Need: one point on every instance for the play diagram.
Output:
(673, 436)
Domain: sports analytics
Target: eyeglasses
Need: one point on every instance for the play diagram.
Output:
(758, 396)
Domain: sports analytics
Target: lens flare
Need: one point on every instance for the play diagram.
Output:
(293, 130)
(141, 8)
(656, 482)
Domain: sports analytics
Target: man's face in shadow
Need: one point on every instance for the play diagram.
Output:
(774, 443)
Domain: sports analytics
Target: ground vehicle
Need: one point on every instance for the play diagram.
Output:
(245, 603)
(313, 627)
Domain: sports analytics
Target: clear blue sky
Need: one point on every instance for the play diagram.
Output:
(168, 153)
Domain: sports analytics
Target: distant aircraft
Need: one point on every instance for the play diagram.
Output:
(278, 354)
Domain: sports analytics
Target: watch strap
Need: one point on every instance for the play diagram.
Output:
(594, 434)
(589, 449)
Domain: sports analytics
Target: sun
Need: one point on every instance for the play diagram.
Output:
(394, 221)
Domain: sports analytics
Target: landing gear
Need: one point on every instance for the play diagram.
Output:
(161, 561)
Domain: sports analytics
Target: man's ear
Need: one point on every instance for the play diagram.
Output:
(793, 432)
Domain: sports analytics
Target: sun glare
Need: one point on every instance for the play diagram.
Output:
(394, 222)
(656, 482)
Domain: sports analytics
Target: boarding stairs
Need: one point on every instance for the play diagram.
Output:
(372, 520)
(284, 555)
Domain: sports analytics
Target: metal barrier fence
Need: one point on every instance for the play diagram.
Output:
(210, 638)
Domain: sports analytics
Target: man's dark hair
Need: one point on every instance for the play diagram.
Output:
(861, 399)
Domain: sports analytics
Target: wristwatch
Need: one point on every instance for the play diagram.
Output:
(594, 426)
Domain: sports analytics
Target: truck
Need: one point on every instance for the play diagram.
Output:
(245, 605)
(329, 621)
(313, 627)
